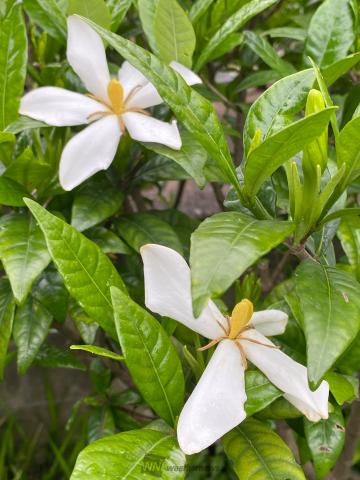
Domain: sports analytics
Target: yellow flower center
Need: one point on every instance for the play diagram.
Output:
(116, 96)
(240, 317)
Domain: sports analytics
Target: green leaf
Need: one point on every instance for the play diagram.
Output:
(224, 246)
(31, 326)
(174, 33)
(268, 54)
(95, 10)
(348, 150)
(260, 392)
(13, 58)
(257, 79)
(25, 123)
(102, 352)
(147, 12)
(49, 15)
(132, 455)
(7, 309)
(197, 114)
(50, 356)
(85, 325)
(191, 157)
(343, 387)
(108, 241)
(277, 106)
(258, 452)
(282, 146)
(339, 68)
(330, 33)
(331, 319)
(150, 356)
(138, 229)
(118, 9)
(342, 213)
(90, 208)
(50, 291)
(23, 252)
(280, 409)
(11, 193)
(198, 9)
(349, 234)
(287, 32)
(231, 25)
(326, 440)
(87, 272)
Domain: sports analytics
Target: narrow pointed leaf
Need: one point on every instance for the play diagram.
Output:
(87, 272)
(13, 58)
(23, 252)
(150, 356)
(348, 150)
(331, 318)
(95, 350)
(282, 146)
(131, 455)
(339, 68)
(224, 246)
(7, 309)
(258, 452)
(11, 193)
(31, 326)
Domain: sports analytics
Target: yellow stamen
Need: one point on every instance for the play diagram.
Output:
(116, 95)
(240, 317)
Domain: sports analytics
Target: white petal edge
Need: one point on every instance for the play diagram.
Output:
(148, 129)
(59, 107)
(269, 322)
(216, 405)
(188, 75)
(168, 291)
(288, 375)
(86, 54)
(91, 150)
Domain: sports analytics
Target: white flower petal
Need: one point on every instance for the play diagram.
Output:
(130, 77)
(217, 403)
(59, 107)
(168, 291)
(89, 151)
(269, 322)
(147, 96)
(188, 75)
(149, 129)
(288, 375)
(86, 55)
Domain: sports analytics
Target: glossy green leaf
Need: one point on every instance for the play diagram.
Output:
(349, 234)
(7, 309)
(87, 272)
(11, 193)
(13, 58)
(50, 356)
(282, 146)
(287, 32)
(326, 440)
(49, 15)
(343, 387)
(84, 324)
(257, 452)
(25, 123)
(95, 10)
(260, 392)
(280, 409)
(348, 150)
(197, 113)
(339, 68)
(143, 452)
(31, 326)
(138, 229)
(23, 252)
(268, 54)
(330, 33)
(174, 33)
(50, 291)
(150, 356)
(191, 157)
(331, 317)
(118, 10)
(95, 350)
(231, 25)
(90, 208)
(277, 106)
(257, 79)
(224, 246)
(108, 241)
(147, 11)
(198, 9)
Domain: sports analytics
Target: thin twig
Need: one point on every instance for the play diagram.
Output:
(220, 198)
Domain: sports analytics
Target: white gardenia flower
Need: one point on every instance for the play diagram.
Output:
(216, 405)
(112, 106)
